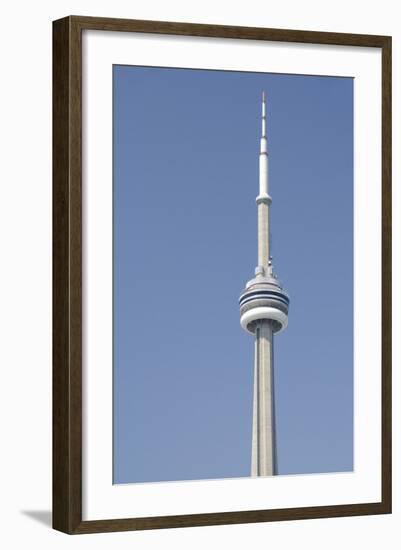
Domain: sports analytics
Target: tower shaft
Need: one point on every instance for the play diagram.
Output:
(263, 430)
(264, 312)
(263, 240)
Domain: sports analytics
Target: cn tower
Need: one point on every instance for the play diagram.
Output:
(264, 312)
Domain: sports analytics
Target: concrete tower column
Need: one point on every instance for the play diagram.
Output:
(264, 311)
(263, 444)
(263, 430)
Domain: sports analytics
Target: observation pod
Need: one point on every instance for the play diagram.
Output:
(264, 298)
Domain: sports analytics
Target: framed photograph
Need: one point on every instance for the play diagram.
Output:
(221, 275)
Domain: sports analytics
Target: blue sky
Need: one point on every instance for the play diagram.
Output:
(185, 242)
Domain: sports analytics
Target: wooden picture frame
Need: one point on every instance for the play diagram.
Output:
(67, 274)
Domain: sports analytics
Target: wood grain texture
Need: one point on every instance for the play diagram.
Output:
(220, 31)
(67, 274)
(386, 275)
(67, 278)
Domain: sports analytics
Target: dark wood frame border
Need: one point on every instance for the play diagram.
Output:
(67, 277)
